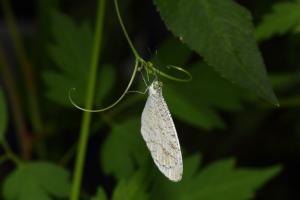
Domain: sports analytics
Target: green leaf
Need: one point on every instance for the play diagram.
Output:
(124, 149)
(198, 102)
(101, 195)
(3, 116)
(285, 16)
(222, 32)
(37, 180)
(218, 181)
(71, 53)
(133, 188)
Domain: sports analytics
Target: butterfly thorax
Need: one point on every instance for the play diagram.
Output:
(155, 88)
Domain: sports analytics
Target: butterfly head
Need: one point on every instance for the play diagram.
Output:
(155, 87)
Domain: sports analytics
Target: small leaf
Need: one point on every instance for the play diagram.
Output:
(132, 189)
(101, 195)
(3, 116)
(218, 181)
(71, 53)
(222, 32)
(285, 16)
(36, 180)
(124, 149)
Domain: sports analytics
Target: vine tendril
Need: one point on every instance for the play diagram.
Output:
(116, 102)
(140, 64)
(187, 73)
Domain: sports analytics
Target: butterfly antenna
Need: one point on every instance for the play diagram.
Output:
(144, 78)
(147, 85)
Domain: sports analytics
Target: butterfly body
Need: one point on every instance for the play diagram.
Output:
(160, 135)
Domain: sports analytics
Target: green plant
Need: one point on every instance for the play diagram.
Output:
(214, 79)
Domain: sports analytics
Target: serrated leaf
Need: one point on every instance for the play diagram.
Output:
(3, 116)
(222, 32)
(285, 16)
(36, 180)
(133, 188)
(71, 53)
(101, 195)
(123, 149)
(198, 102)
(218, 181)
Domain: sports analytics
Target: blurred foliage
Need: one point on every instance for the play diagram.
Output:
(215, 116)
(37, 180)
(133, 188)
(123, 149)
(100, 195)
(71, 52)
(219, 180)
(284, 17)
(201, 110)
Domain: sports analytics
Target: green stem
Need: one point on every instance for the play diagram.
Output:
(170, 77)
(148, 65)
(136, 54)
(85, 125)
(26, 68)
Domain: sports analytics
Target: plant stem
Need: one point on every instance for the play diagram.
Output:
(136, 54)
(17, 111)
(26, 68)
(86, 120)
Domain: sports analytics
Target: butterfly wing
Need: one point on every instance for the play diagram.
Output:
(158, 130)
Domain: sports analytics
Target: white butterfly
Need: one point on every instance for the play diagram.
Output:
(158, 130)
